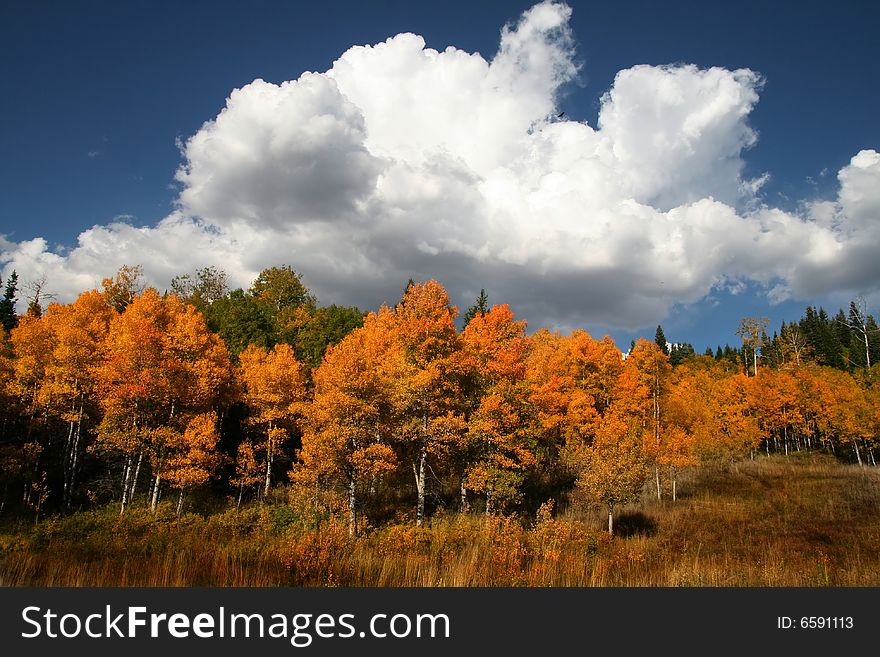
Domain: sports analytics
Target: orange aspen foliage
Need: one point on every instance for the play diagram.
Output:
(843, 413)
(497, 344)
(597, 364)
(550, 381)
(500, 448)
(79, 331)
(356, 412)
(248, 471)
(433, 417)
(715, 411)
(653, 368)
(162, 364)
(775, 400)
(32, 344)
(565, 374)
(275, 393)
(192, 457)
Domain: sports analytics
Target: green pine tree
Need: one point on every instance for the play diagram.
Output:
(480, 307)
(8, 318)
(660, 339)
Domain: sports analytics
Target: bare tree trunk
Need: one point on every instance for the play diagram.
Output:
(611, 519)
(180, 503)
(656, 399)
(673, 485)
(126, 476)
(858, 455)
(352, 506)
(269, 455)
(74, 466)
(465, 507)
(65, 491)
(137, 472)
(240, 493)
(420, 486)
(155, 499)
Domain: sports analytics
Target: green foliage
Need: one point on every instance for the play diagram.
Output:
(325, 328)
(8, 318)
(660, 340)
(680, 352)
(280, 288)
(823, 338)
(203, 288)
(240, 320)
(281, 518)
(480, 307)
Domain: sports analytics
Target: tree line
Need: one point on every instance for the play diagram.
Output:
(130, 395)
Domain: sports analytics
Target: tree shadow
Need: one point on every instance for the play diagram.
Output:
(634, 524)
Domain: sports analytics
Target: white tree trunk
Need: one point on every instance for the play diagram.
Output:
(269, 455)
(352, 506)
(155, 501)
(134, 481)
(420, 486)
(126, 476)
(75, 456)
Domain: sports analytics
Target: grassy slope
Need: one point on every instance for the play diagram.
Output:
(801, 521)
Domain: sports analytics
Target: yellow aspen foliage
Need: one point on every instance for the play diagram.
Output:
(612, 469)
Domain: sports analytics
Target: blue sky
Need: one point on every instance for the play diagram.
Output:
(100, 98)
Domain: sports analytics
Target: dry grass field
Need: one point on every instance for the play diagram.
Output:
(805, 520)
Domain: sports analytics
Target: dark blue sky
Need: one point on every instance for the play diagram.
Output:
(96, 93)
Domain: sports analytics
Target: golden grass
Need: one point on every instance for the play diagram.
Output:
(798, 521)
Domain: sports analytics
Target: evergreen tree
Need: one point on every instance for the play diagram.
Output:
(718, 353)
(822, 339)
(680, 352)
(660, 339)
(874, 337)
(8, 318)
(480, 307)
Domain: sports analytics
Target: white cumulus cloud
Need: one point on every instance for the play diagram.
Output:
(403, 161)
